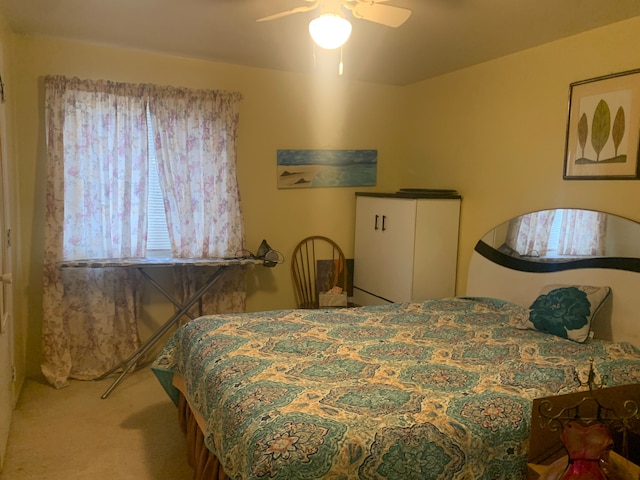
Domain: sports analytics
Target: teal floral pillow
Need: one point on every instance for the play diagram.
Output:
(567, 311)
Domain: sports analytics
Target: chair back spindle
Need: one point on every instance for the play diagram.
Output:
(317, 265)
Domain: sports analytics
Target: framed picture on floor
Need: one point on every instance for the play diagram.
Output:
(603, 128)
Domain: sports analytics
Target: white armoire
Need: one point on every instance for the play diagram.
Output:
(406, 246)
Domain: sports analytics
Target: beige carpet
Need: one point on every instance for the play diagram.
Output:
(72, 433)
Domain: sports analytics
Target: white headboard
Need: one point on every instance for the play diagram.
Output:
(489, 279)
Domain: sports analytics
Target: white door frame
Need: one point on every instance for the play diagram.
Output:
(7, 359)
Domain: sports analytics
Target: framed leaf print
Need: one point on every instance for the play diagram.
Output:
(603, 128)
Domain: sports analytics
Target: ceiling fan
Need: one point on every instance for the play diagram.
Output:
(371, 10)
(331, 30)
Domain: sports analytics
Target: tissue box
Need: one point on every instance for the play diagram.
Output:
(332, 299)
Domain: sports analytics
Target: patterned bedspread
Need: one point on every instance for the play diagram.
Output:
(433, 390)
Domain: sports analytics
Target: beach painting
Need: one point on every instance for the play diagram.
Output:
(326, 168)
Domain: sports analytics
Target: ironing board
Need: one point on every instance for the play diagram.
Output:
(221, 264)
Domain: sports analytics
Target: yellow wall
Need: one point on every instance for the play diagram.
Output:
(496, 132)
(279, 111)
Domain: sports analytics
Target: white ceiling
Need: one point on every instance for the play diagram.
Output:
(440, 36)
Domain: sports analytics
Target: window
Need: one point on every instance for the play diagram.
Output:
(99, 172)
(558, 233)
(158, 242)
(114, 203)
(554, 234)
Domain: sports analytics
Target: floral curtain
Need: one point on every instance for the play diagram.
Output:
(195, 142)
(95, 204)
(582, 232)
(96, 208)
(529, 234)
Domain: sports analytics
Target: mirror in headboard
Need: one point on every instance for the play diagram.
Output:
(562, 239)
(520, 257)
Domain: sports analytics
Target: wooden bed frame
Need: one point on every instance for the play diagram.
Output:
(204, 463)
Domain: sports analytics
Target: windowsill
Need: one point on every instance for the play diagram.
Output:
(159, 254)
(557, 258)
(157, 261)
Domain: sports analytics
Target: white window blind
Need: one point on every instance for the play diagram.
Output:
(158, 243)
(554, 234)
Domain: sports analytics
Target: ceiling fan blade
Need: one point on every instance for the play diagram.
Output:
(368, 2)
(383, 14)
(287, 13)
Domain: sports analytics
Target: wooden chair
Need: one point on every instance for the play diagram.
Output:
(317, 265)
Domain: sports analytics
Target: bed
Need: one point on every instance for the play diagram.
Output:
(438, 389)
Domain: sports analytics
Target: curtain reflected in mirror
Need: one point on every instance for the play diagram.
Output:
(557, 234)
(562, 236)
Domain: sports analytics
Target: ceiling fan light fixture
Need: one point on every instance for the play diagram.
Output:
(330, 31)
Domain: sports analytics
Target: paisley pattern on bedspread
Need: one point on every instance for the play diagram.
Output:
(434, 390)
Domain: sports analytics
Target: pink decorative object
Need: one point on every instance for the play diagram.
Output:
(587, 447)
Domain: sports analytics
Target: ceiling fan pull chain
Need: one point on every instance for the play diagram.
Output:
(341, 66)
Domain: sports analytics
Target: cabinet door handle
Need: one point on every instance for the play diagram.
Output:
(384, 219)
(376, 225)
